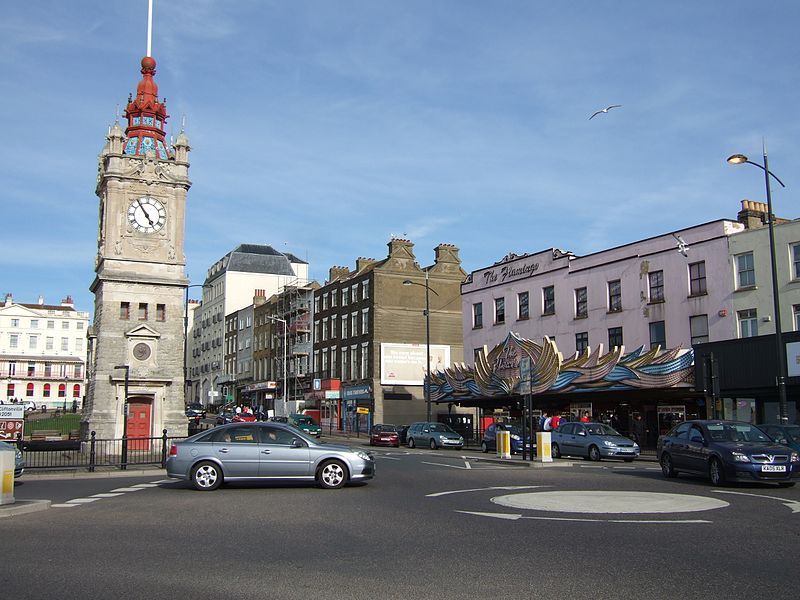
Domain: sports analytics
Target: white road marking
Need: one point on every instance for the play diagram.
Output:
(499, 487)
(82, 500)
(514, 517)
(609, 502)
(794, 505)
(385, 457)
(64, 505)
(629, 468)
(128, 489)
(108, 495)
(164, 481)
(467, 465)
(146, 485)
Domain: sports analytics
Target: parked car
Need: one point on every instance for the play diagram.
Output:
(265, 451)
(19, 461)
(788, 435)
(226, 416)
(279, 419)
(384, 435)
(726, 451)
(594, 441)
(433, 435)
(195, 410)
(489, 441)
(306, 424)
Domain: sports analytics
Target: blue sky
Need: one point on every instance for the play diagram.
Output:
(325, 127)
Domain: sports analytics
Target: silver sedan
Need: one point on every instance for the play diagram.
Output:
(266, 451)
(593, 441)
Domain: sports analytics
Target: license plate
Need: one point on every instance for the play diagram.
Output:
(773, 468)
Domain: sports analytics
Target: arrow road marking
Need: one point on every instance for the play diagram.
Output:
(514, 517)
(793, 505)
(499, 487)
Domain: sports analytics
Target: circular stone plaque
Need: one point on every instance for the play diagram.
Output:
(141, 351)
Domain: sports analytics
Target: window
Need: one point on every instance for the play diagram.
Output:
(65, 344)
(64, 324)
(29, 390)
(10, 390)
(548, 300)
(79, 325)
(34, 323)
(365, 321)
(142, 311)
(796, 261)
(33, 342)
(614, 296)
(581, 341)
(344, 326)
(334, 297)
(581, 303)
(614, 337)
(76, 391)
(522, 306)
(15, 322)
(499, 311)
(656, 286)
(745, 271)
(365, 289)
(658, 335)
(12, 367)
(325, 298)
(354, 324)
(345, 296)
(62, 390)
(48, 369)
(477, 315)
(31, 369)
(125, 311)
(161, 312)
(46, 390)
(49, 342)
(796, 309)
(697, 279)
(364, 360)
(78, 370)
(51, 324)
(13, 340)
(698, 327)
(748, 323)
(325, 329)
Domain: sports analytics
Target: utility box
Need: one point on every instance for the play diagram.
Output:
(503, 444)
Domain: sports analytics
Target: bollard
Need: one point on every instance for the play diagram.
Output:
(7, 460)
(503, 444)
(543, 451)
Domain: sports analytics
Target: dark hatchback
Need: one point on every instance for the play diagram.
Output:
(726, 451)
(489, 441)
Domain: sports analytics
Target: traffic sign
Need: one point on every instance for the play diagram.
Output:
(362, 410)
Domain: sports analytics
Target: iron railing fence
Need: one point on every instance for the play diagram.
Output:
(95, 452)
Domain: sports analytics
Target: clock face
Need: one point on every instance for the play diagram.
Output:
(147, 215)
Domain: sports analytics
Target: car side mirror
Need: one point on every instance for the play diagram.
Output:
(297, 443)
(783, 441)
(583, 433)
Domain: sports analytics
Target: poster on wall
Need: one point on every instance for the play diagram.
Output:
(405, 364)
(793, 359)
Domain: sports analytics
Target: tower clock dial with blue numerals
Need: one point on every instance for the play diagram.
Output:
(147, 215)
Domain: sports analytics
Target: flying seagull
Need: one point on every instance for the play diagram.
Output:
(605, 110)
(683, 247)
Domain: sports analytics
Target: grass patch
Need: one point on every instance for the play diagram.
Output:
(63, 423)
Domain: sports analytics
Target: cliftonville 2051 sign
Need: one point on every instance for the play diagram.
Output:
(507, 272)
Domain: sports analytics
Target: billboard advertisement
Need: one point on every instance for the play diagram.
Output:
(405, 364)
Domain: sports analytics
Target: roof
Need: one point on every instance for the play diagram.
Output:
(253, 258)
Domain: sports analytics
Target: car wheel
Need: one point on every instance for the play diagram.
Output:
(484, 448)
(206, 476)
(594, 453)
(433, 444)
(411, 442)
(786, 484)
(716, 472)
(555, 451)
(667, 467)
(332, 474)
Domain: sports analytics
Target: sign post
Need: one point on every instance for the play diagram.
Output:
(12, 422)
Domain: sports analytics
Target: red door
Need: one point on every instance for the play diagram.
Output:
(139, 411)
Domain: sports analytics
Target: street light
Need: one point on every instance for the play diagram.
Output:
(738, 159)
(125, 418)
(186, 335)
(427, 314)
(285, 342)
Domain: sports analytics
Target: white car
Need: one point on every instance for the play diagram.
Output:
(29, 405)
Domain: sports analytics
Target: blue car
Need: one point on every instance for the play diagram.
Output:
(489, 441)
(788, 435)
(726, 451)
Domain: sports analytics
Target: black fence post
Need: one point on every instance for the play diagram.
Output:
(163, 448)
(92, 451)
(19, 441)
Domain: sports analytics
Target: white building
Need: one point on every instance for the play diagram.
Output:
(230, 286)
(43, 353)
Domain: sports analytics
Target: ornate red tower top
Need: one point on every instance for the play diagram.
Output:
(146, 116)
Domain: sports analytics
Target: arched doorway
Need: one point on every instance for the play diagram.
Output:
(140, 422)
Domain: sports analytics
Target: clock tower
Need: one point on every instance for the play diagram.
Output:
(137, 346)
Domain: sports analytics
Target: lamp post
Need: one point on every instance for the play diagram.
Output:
(186, 336)
(285, 342)
(427, 314)
(738, 159)
(125, 418)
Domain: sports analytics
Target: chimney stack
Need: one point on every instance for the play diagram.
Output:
(336, 273)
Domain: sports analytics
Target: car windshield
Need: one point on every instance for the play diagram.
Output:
(441, 428)
(793, 433)
(601, 429)
(736, 432)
